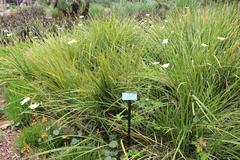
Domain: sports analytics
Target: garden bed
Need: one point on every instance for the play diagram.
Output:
(65, 91)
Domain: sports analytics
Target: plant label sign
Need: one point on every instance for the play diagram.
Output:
(129, 96)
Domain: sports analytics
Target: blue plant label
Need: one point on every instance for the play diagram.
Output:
(129, 96)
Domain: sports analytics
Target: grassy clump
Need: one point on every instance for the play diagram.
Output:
(187, 110)
(30, 136)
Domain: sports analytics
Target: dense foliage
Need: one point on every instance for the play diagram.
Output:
(185, 69)
(34, 22)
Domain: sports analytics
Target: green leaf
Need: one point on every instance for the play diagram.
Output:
(56, 132)
(74, 141)
(108, 158)
(203, 156)
(113, 144)
(132, 152)
(114, 153)
(106, 153)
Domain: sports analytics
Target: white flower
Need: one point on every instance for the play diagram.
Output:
(60, 28)
(142, 23)
(81, 16)
(25, 100)
(165, 65)
(166, 21)
(221, 38)
(5, 31)
(154, 63)
(34, 106)
(9, 34)
(107, 10)
(147, 15)
(80, 24)
(204, 45)
(165, 41)
(72, 41)
(47, 129)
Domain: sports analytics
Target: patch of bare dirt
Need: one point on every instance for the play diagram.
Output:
(7, 138)
(7, 135)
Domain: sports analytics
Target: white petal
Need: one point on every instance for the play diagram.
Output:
(148, 15)
(72, 41)
(34, 106)
(25, 100)
(221, 38)
(154, 63)
(81, 17)
(9, 34)
(204, 45)
(166, 21)
(165, 65)
(165, 41)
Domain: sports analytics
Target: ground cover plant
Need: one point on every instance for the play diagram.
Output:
(66, 91)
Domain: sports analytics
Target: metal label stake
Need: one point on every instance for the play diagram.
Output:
(129, 97)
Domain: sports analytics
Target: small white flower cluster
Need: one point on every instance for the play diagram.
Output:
(221, 38)
(9, 34)
(204, 45)
(80, 24)
(143, 22)
(34, 106)
(25, 100)
(72, 41)
(31, 106)
(81, 17)
(164, 66)
(165, 41)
